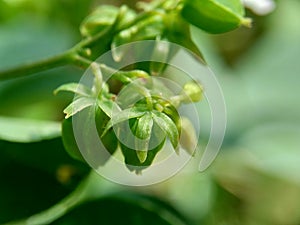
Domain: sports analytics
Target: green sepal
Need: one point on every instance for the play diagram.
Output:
(142, 132)
(123, 116)
(132, 160)
(75, 88)
(168, 126)
(78, 105)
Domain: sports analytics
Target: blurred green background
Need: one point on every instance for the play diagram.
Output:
(256, 177)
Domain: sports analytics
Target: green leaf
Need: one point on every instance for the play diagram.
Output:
(168, 126)
(69, 140)
(123, 116)
(215, 16)
(76, 88)
(28, 130)
(78, 105)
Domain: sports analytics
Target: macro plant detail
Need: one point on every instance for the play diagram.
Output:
(114, 112)
(152, 116)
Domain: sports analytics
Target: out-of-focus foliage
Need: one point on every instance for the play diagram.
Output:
(254, 181)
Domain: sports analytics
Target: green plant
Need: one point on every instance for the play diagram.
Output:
(153, 115)
(108, 27)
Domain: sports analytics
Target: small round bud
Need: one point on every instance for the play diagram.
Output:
(192, 92)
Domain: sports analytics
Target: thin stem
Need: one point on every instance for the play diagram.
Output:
(30, 68)
(71, 56)
(80, 61)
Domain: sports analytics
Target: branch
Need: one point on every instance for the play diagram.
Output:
(42, 65)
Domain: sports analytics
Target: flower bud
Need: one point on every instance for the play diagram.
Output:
(192, 92)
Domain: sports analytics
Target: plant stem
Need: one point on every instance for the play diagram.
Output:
(74, 55)
(30, 68)
(93, 187)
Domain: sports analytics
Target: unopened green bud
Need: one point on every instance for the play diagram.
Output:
(98, 20)
(103, 17)
(192, 92)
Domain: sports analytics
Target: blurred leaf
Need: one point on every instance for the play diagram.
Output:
(33, 94)
(47, 155)
(20, 193)
(35, 176)
(27, 130)
(276, 148)
(131, 209)
(217, 16)
(265, 176)
(19, 35)
(69, 140)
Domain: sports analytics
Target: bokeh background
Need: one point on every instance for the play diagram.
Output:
(255, 180)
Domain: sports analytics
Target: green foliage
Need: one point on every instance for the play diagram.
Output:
(129, 212)
(29, 130)
(254, 180)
